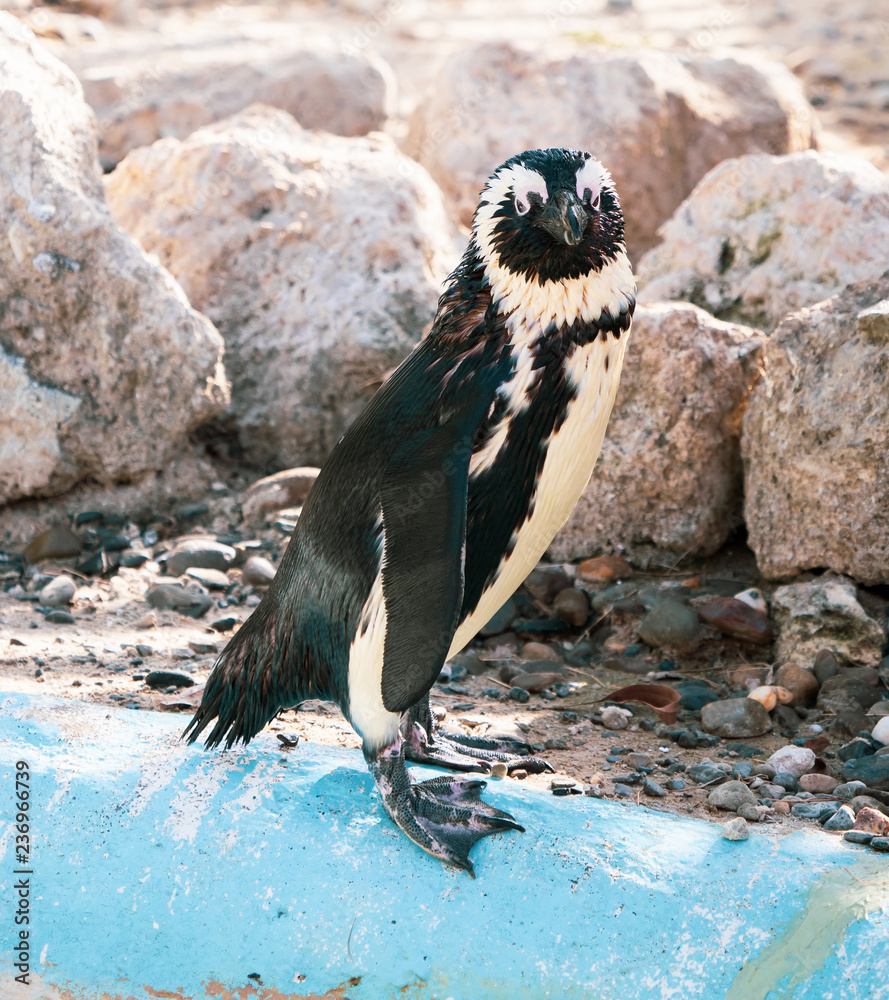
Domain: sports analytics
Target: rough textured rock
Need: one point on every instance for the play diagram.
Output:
(814, 445)
(172, 90)
(761, 236)
(288, 488)
(826, 612)
(104, 366)
(735, 718)
(318, 257)
(658, 122)
(669, 474)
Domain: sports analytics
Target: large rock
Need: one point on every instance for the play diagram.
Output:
(816, 440)
(762, 236)
(104, 366)
(658, 122)
(670, 470)
(824, 614)
(144, 94)
(318, 257)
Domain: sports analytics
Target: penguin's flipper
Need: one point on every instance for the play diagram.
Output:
(423, 501)
(445, 816)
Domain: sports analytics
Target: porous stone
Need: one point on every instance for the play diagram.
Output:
(669, 474)
(762, 236)
(808, 616)
(731, 796)
(872, 821)
(735, 718)
(657, 121)
(817, 485)
(174, 89)
(91, 327)
(736, 829)
(792, 760)
(320, 259)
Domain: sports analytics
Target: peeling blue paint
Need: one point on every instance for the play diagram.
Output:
(162, 867)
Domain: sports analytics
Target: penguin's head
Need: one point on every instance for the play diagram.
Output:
(550, 215)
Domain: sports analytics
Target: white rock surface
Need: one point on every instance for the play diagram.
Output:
(104, 366)
(669, 474)
(816, 440)
(149, 90)
(657, 121)
(736, 829)
(823, 614)
(58, 592)
(793, 760)
(762, 236)
(881, 730)
(319, 258)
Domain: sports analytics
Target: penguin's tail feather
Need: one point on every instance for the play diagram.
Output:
(253, 679)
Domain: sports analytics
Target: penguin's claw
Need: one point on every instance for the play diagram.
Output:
(445, 816)
(467, 753)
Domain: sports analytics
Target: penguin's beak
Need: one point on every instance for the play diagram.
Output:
(564, 217)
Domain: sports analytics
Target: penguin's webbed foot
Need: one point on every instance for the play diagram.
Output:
(445, 816)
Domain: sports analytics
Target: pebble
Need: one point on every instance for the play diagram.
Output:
(736, 829)
(501, 620)
(167, 678)
(499, 770)
(872, 821)
(59, 591)
(880, 844)
(623, 791)
(572, 606)
(793, 760)
(770, 695)
(199, 553)
(826, 665)
(818, 783)
(258, 571)
(670, 624)
(636, 760)
(770, 791)
(537, 651)
(213, 578)
(615, 718)
(519, 694)
(848, 790)
(56, 543)
(651, 787)
(133, 559)
(146, 621)
(536, 682)
(754, 598)
(675, 784)
(749, 812)
(704, 773)
(172, 597)
(789, 782)
(223, 624)
(737, 717)
(802, 684)
(873, 771)
(604, 569)
(60, 618)
(607, 597)
(782, 808)
(555, 744)
(694, 695)
(848, 690)
(858, 837)
(843, 819)
(814, 810)
(858, 747)
(731, 796)
(204, 648)
(737, 619)
(880, 732)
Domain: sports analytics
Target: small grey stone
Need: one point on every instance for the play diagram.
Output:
(258, 571)
(555, 744)
(786, 780)
(180, 653)
(204, 648)
(213, 578)
(873, 771)
(159, 679)
(736, 829)
(639, 760)
(623, 791)
(500, 621)
(652, 788)
(202, 553)
(849, 789)
(519, 694)
(731, 796)
(60, 618)
(59, 591)
(674, 784)
(858, 836)
(880, 844)
(842, 819)
(814, 810)
(771, 791)
(736, 717)
(670, 624)
(704, 773)
(144, 650)
(749, 812)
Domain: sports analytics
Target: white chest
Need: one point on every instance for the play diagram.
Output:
(570, 457)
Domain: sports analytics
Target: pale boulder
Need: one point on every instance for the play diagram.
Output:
(104, 366)
(669, 475)
(657, 121)
(824, 613)
(320, 259)
(816, 440)
(762, 236)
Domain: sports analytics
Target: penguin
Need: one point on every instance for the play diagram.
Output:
(444, 494)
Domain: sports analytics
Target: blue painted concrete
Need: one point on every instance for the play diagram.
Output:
(162, 867)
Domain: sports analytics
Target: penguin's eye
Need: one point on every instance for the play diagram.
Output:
(522, 205)
(590, 200)
(597, 200)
